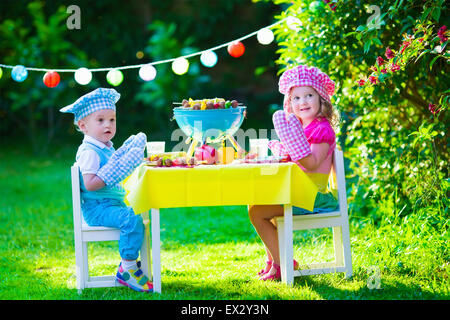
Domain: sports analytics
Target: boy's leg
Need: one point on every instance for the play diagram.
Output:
(118, 215)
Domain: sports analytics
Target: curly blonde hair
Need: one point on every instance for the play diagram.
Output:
(326, 110)
(329, 112)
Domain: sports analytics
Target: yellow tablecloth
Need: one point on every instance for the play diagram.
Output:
(219, 185)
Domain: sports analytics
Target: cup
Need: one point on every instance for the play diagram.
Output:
(259, 147)
(155, 147)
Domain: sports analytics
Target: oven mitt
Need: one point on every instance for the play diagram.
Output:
(291, 134)
(124, 160)
(278, 149)
(138, 141)
(117, 169)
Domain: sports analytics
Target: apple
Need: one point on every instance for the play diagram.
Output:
(205, 153)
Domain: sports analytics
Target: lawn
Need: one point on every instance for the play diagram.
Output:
(207, 252)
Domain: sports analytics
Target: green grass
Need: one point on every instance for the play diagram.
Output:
(207, 252)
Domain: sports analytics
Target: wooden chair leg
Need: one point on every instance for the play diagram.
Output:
(79, 266)
(281, 246)
(347, 250)
(85, 267)
(338, 247)
(287, 268)
(156, 251)
(145, 249)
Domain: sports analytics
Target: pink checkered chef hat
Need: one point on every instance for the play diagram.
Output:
(306, 76)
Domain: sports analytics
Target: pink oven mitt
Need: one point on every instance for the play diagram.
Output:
(278, 149)
(290, 131)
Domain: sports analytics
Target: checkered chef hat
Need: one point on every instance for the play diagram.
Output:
(306, 76)
(99, 99)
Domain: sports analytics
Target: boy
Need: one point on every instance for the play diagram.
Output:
(102, 169)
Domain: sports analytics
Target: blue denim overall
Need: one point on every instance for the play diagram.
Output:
(105, 207)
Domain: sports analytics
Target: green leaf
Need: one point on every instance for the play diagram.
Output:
(425, 14)
(377, 41)
(436, 13)
(433, 61)
(367, 46)
(361, 28)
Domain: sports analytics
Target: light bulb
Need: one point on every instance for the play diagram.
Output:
(114, 77)
(19, 73)
(51, 79)
(265, 36)
(208, 58)
(180, 65)
(236, 49)
(147, 72)
(83, 76)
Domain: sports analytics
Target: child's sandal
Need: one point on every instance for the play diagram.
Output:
(273, 274)
(266, 269)
(277, 275)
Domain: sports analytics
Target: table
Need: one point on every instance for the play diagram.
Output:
(152, 188)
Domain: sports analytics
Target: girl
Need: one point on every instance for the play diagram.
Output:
(307, 137)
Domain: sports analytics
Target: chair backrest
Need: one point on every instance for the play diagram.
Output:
(76, 198)
(337, 176)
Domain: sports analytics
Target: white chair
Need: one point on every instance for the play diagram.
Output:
(337, 220)
(84, 234)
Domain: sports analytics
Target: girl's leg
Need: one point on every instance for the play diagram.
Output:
(260, 217)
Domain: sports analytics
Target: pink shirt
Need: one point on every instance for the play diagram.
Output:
(318, 131)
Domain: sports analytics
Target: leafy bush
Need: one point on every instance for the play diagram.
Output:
(384, 95)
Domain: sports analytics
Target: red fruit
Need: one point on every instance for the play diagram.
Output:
(179, 161)
(205, 153)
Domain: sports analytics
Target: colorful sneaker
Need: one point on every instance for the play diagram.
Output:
(134, 279)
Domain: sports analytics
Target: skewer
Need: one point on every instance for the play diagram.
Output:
(239, 103)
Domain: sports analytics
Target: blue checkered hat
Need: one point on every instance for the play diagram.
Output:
(99, 99)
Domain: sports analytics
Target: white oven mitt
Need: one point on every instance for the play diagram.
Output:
(124, 160)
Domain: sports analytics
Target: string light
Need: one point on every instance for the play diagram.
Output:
(114, 77)
(180, 66)
(51, 79)
(236, 49)
(83, 76)
(19, 73)
(208, 58)
(147, 71)
(265, 36)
